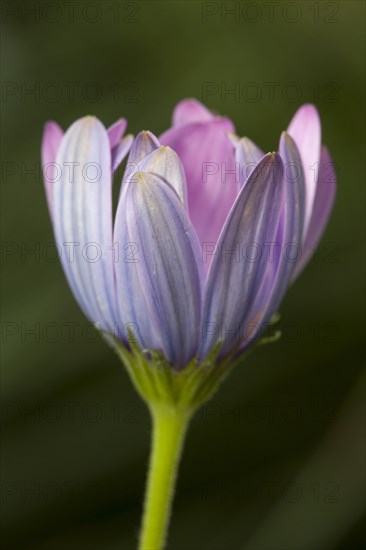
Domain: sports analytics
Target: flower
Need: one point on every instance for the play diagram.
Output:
(193, 259)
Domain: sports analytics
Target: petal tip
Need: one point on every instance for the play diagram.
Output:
(233, 138)
(309, 111)
(139, 177)
(52, 127)
(50, 124)
(191, 110)
(88, 121)
(286, 139)
(310, 107)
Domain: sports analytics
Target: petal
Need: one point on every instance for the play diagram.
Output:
(239, 264)
(145, 142)
(83, 218)
(165, 163)
(51, 140)
(287, 244)
(159, 288)
(190, 110)
(121, 150)
(247, 155)
(212, 178)
(305, 129)
(119, 146)
(323, 204)
(294, 193)
(116, 131)
(294, 199)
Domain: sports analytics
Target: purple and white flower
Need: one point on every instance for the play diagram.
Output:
(191, 257)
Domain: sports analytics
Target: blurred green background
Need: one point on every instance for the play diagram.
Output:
(276, 460)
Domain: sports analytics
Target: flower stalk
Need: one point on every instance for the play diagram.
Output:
(169, 429)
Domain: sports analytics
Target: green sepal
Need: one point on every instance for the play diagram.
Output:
(159, 383)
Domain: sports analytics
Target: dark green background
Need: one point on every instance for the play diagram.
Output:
(276, 460)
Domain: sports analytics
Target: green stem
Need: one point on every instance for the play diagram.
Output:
(169, 429)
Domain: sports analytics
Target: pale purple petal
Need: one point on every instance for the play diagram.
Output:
(51, 140)
(238, 266)
(116, 131)
(160, 293)
(247, 155)
(165, 163)
(191, 110)
(323, 204)
(83, 218)
(285, 247)
(144, 143)
(131, 299)
(294, 204)
(212, 178)
(305, 129)
(120, 151)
